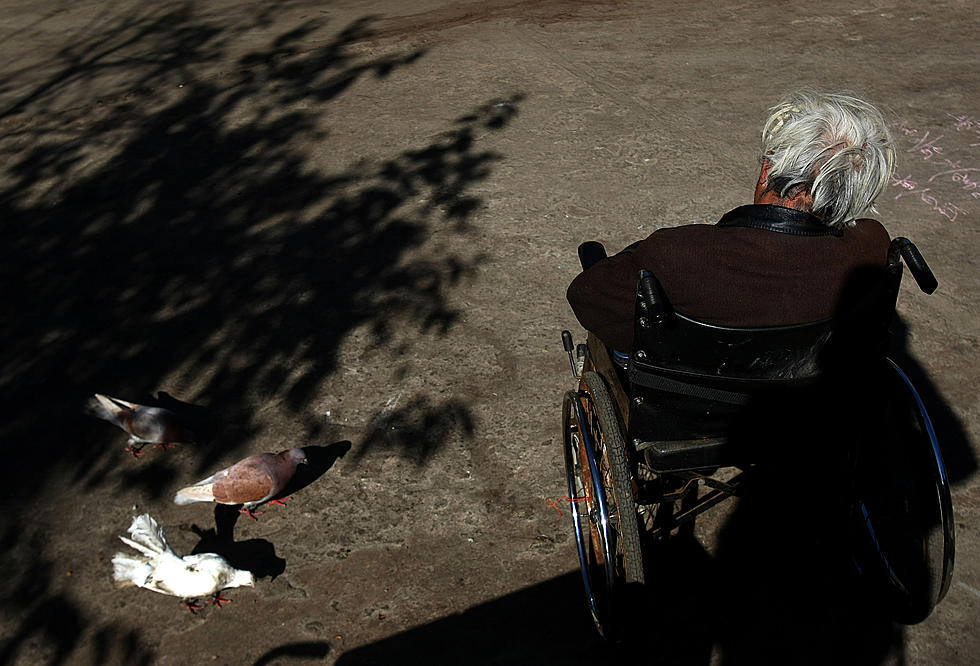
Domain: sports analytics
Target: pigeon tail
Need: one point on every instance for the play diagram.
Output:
(127, 570)
(148, 537)
(106, 408)
(195, 493)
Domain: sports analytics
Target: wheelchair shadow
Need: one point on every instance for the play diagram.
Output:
(759, 602)
(783, 558)
(543, 624)
(790, 592)
(866, 316)
(958, 454)
(773, 592)
(763, 598)
(676, 616)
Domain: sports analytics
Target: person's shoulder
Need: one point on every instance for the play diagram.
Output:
(683, 231)
(871, 229)
(670, 239)
(869, 224)
(871, 235)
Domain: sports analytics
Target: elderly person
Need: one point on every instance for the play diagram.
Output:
(782, 260)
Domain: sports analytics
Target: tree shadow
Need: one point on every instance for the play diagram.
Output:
(418, 429)
(56, 623)
(51, 623)
(204, 245)
(175, 226)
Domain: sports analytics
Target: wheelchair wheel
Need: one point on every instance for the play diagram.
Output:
(603, 505)
(901, 516)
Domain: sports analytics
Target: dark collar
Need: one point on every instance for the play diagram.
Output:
(779, 219)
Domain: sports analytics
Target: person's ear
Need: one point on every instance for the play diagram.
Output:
(760, 186)
(764, 170)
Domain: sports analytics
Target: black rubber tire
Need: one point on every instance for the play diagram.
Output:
(614, 462)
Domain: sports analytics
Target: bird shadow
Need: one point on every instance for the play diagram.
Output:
(318, 460)
(200, 420)
(255, 555)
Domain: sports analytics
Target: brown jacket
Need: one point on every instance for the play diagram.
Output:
(728, 275)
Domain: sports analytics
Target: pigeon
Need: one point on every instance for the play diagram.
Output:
(249, 482)
(145, 425)
(160, 569)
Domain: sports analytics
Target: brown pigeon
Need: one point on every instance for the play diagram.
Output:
(249, 482)
(145, 425)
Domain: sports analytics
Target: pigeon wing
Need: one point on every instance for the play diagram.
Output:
(184, 578)
(109, 409)
(156, 424)
(212, 479)
(249, 481)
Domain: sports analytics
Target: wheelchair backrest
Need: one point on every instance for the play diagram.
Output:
(674, 347)
(690, 379)
(686, 349)
(671, 350)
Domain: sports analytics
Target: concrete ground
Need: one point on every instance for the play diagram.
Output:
(348, 226)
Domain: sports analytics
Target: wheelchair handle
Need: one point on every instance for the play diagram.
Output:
(905, 249)
(566, 341)
(569, 345)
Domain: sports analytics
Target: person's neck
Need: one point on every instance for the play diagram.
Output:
(801, 201)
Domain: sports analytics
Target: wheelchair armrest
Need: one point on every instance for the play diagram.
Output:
(902, 248)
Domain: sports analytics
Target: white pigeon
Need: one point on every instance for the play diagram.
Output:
(160, 569)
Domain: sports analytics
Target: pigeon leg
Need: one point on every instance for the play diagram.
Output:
(218, 600)
(251, 514)
(137, 451)
(192, 606)
(280, 502)
(165, 445)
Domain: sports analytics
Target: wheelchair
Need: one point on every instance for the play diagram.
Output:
(655, 438)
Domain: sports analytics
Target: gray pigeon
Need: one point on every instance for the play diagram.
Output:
(145, 425)
(249, 482)
(160, 569)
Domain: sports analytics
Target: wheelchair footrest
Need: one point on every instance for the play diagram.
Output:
(681, 455)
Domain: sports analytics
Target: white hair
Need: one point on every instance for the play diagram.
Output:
(835, 147)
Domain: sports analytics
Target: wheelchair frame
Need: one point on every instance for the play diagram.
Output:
(621, 501)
